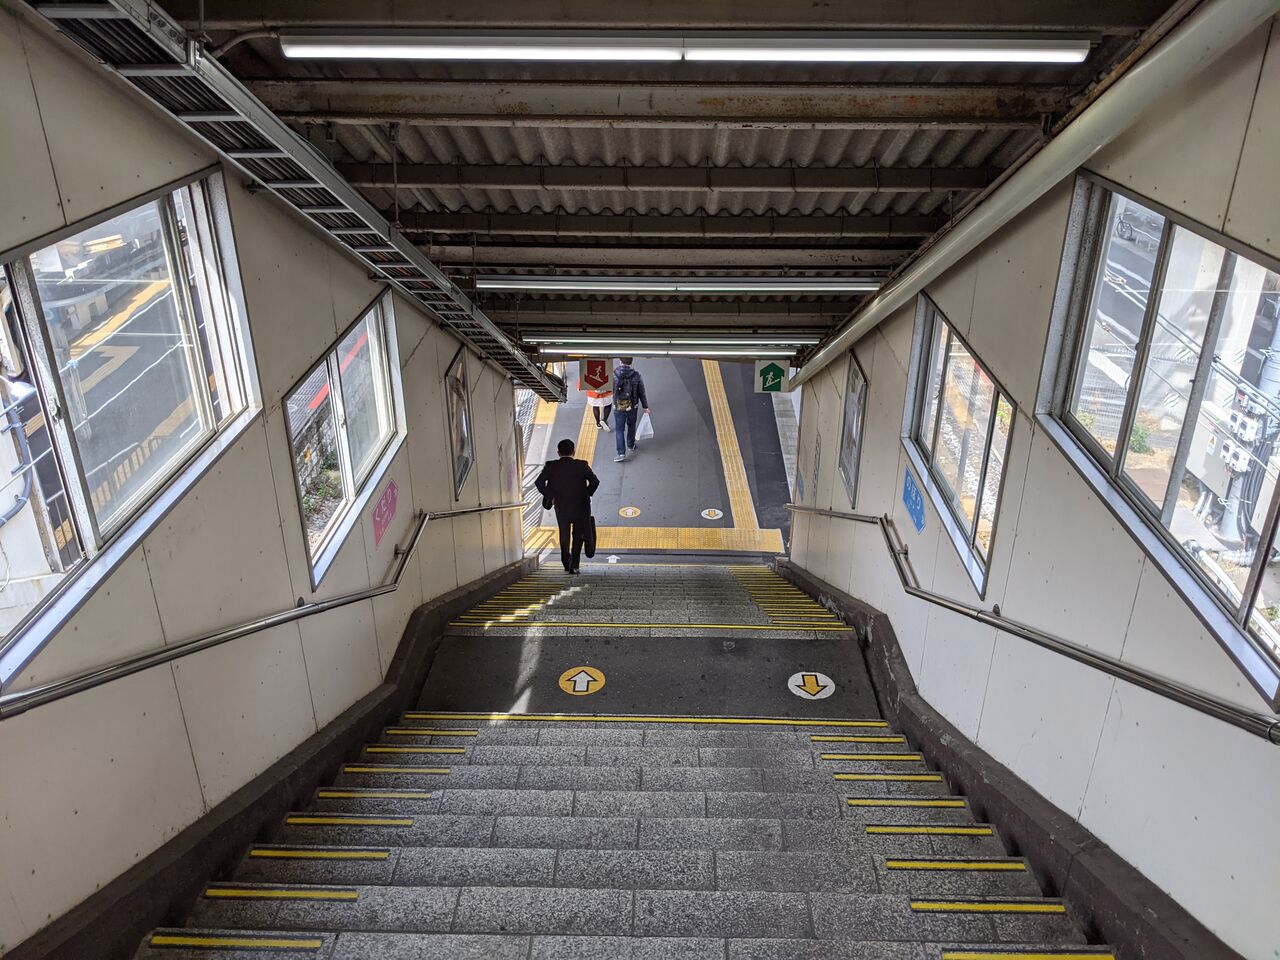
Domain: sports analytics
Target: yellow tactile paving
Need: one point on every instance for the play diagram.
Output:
(741, 503)
(587, 434)
(708, 539)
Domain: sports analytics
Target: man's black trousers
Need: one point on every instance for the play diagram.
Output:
(573, 531)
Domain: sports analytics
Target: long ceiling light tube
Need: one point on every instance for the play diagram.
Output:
(680, 284)
(662, 352)
(780, 341)
(571, 45)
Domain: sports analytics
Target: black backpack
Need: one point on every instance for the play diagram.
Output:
(626, 389)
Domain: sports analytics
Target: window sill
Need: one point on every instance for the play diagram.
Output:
(1239, 645)
(973, 564)
(20, 649)
(338, 535)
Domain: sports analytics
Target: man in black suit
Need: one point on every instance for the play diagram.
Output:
(569, 484)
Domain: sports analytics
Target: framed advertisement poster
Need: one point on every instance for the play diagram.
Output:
(457, 396)
(855, 405)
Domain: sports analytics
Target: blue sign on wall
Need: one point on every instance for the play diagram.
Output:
(913, 499)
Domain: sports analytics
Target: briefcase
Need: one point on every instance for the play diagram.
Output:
(589, 541)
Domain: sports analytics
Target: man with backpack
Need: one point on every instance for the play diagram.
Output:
(628, 401)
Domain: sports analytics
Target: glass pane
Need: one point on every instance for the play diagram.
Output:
(124, 355)
(313, 439)
(1117, 304)
(932, 390)
(38, 541)
(1187, 298)
(995, 475)
(967, 398)
(855, 400)
(364, 393)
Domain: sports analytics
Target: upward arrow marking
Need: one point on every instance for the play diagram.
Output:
(810, 685)
(582, 681)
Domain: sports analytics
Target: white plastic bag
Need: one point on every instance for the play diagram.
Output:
(644, 429)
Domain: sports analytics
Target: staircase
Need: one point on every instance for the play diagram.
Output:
(591, 836)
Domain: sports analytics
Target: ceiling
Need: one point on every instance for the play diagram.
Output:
(710, 169)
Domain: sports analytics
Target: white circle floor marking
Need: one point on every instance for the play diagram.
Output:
(808, 685)
(711, 513)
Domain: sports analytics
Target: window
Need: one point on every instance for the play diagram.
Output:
(958, 434)
(122, 356)
(1169, 383)
(855, 403)
(458, 403)
(344, 421)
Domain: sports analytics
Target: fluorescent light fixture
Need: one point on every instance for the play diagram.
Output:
(900, 49)
(583, 45)
(711, 285)
(616, 342)
(663, 352)
(406, 45)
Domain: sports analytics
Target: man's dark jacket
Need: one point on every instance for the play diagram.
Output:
(570, 483)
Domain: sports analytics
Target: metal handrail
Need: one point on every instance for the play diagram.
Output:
(1259, 724)
(12, 704)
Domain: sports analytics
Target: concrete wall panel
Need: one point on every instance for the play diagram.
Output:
(32, 206)
(1183, 151)
(1254, 213)
(468, 547)
(341, 652)
(91, 785)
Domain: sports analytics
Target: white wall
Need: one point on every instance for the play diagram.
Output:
(1188, 800)
(92, 784)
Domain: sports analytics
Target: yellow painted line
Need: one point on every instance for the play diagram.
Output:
(319, 820)
(1022, 955)
(234, 943)
(742, 505)
(925, 830)
(376, 748)
(280, 893)
(662, 626)
(544, 414)
(644, 718)
(428, 732)
(830, 738)
(886, 757)
(708, 539)
(903, 802)
(356, 793)
(386, 768)
(891, 777)
(979, 866)
(300, 853)
(587, 434)
(988, 906)
(82, 345)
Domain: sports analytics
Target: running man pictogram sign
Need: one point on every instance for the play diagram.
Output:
(596, 374)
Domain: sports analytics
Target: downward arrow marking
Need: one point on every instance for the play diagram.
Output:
(810, 685)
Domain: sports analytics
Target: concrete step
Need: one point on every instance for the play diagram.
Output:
(569, 754)
(482, 722)
(604, 911)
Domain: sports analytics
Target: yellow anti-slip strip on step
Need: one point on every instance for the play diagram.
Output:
(198, 942)
(357, 793)
(230, 892)
(321, 820)
(661, 626)
(1024, 955)
(950, 803)
(926, 830)
(831, 738)
(645, 718)
(988, 906)
(877, 757)
(388, 768)
(967, 866)
(427, 732)
(318, 853)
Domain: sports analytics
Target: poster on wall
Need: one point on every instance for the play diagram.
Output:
(855, 404)
(458, 403)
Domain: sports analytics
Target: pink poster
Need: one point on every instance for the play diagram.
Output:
(384, 512)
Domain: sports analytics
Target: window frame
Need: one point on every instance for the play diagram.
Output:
(102, 553)
(962, 531)
(357, 491)
(849, 473)
(1143, 520)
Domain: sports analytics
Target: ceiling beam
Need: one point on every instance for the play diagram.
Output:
(660, 225)
(1102, 16)
(772, 106)
(723, 257)
(739, 179)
